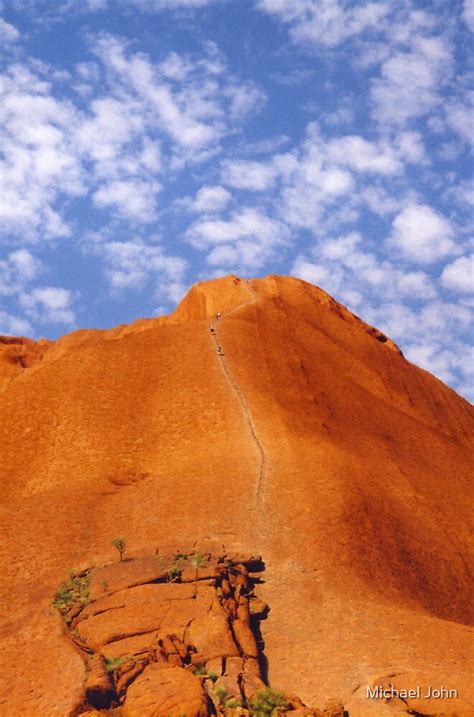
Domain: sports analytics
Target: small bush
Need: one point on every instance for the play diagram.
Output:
(201, 669)
(222, 695)
(173, 574)
(72, 591)
(181, 556)
(113, 663)
(233, 702)
(120, 545)
(198, 560)
(267, 700)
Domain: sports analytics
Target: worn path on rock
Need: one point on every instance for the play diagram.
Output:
(239, 393)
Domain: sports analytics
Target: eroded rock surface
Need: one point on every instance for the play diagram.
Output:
(172, 635)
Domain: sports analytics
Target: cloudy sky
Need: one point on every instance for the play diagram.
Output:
(149, 144)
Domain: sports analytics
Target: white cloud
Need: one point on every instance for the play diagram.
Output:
(414, 285)
(318, 173)
(155, 6)
(380, 200)
(265, 146)
(11, 325)
(326, 277)
(363, 156)
(8, 32)
(112, 123)
(247, 222)
(244, 98)
(146, 118)
(410, 81)
(410, 147)
(310, 182)
(244, 242)
(40, 161)
(18, 269)
(133, 199)
(190, 113)
(245, 174)
(49, 304)
(208, 200)
(135, 265)
(441, 361)
(346, 261)
(459, 275)
(468, 14)
(459, 116)
(192, 103)
(240, 257)
(96, 5)
(422, 234)
(325, 22)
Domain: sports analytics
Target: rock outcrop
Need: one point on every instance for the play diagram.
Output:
(172, 635)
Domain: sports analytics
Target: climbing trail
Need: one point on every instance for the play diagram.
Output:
(238, 392)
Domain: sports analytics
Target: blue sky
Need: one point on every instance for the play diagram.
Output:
(149, 144)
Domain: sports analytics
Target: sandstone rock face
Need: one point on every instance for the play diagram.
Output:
(99, 688)
(166, 691)
(292, 430)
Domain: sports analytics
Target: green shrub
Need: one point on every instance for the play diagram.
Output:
(198, 560)
(222, 695)
(120, 545)
(233, 702)
(73, 591)
(201, 669)
(173, 574)
(267, 700)
(113, 663)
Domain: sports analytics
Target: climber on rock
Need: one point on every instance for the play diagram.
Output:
(212, 329)
(218, 315)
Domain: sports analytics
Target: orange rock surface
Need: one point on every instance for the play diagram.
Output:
(292, 430)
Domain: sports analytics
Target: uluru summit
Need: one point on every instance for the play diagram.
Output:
(255, 504)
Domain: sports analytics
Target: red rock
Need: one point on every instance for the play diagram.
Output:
(167, 691)
(257, 607)
(114, 625)
(245, 638)
(252, 680)
(214, 666)
(210, 634)
(127, 574)
(125, 677)
(98, 688)
(135, 645)
(361, 512)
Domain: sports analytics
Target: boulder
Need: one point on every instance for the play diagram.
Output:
(163, 690)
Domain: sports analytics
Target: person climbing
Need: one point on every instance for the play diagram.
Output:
(218, 315)
(220, 351)
(212, 329)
